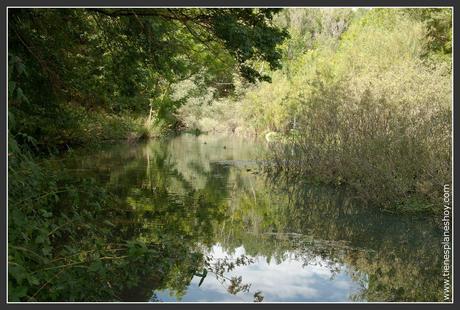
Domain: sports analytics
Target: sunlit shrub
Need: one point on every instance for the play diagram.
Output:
(378, 118)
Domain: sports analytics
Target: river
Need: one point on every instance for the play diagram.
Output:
(253, 236)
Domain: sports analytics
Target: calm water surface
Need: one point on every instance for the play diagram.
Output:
(247, 235)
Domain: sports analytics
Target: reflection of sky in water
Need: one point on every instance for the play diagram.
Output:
(284, 282)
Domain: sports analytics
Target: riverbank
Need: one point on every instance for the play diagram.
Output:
(136, 217)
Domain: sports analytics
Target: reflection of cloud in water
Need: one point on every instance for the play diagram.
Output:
(287, 281)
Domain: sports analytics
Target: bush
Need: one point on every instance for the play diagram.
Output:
(64, 244)
(377, 117)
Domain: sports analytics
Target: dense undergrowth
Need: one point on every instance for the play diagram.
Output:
(50, 233)
(77, 127)
(364, 100)
(65, 245)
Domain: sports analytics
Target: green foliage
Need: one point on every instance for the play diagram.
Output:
(124, 62)
(67, 243)
(377, 118)
(438, 22)
(363, 100)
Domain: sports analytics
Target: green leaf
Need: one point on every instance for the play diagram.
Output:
(96, 266)
(33, 280)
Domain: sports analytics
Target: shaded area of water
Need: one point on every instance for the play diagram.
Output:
(245, 235)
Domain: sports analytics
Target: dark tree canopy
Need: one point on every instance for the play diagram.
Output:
(125, 52)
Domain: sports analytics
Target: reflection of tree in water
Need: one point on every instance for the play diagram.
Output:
(219, 267)
(158, 204)
(394, 258)
(171, 218)
(234, 284)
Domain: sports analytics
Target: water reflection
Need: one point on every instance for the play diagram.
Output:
(287, 280)
(205, 200)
